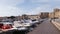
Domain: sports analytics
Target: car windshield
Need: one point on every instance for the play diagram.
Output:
(6, 21)
(27, 21)
(34, 20)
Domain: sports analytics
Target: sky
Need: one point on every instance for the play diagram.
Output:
(31, 7)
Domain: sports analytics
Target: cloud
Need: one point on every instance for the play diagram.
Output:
(42, 8)
(8, 7)
(57, 7)
(9, 11)
(19, 7)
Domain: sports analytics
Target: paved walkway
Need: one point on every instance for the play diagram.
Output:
(45, 28)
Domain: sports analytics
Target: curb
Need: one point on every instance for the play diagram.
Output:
(56, 24)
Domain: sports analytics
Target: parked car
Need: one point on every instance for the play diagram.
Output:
(6, 26)
(21, 26)
(35, 21)
(24, 24)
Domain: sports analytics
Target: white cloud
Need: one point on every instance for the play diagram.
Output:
(57, 7)
(9, 10)
(8, 7)
(42, 8)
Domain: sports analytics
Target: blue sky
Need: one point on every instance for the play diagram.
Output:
(19, 7)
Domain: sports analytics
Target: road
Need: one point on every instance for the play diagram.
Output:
(45, 28)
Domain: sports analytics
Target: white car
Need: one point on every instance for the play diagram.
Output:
(21, 26)
(24, 25)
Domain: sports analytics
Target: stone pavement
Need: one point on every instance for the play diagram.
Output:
(45, 28)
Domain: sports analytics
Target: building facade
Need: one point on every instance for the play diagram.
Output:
(44, 15)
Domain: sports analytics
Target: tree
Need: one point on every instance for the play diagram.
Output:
(24, 16)
(12, 17)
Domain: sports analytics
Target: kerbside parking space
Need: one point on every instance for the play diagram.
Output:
(21, 27)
